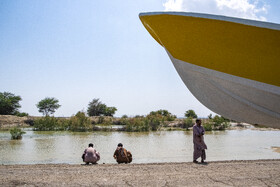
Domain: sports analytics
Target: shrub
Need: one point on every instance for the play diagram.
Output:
(163, 115)
(220, 123)
(105, 120)
(21, 114)
(137, 125)
(16, 133)
(45, 124)
(80, 122)
(187, 123)
(124, 116)
(154, 123)
(207, 126)
(62, 124)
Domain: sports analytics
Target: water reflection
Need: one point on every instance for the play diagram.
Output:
(146, 147)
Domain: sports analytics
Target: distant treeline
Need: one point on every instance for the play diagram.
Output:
(155, 120)
(151, 122)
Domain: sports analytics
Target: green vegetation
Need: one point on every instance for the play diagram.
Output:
(207, 126)
(190, 113)
(102, 119)
(125, 116)
(47, 123)
(136, 124)
(79, 122)
(9, 103)
(162, 115)
(154, 121)
(21, 114)
(48, 106)
(16, 133)
(216, 123)
(97, 108)
(187, 123)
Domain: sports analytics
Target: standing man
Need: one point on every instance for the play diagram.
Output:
(198, 141)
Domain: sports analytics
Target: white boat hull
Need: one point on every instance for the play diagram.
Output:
(230, 65)
(233, 97)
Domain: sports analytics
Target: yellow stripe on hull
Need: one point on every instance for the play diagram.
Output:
(234, 48)
(230, 65)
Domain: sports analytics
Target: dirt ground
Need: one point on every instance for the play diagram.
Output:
(223, 173)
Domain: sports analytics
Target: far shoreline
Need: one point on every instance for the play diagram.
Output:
(8, 122)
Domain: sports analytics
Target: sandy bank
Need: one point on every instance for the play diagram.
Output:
(225, 173)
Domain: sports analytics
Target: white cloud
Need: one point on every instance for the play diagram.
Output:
(250, 9)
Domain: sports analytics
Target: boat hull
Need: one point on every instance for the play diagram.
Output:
(233, 97)
(231, 65)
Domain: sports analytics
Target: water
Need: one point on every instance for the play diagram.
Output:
(146, 147)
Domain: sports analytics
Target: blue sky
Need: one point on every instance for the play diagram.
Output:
(79, 50)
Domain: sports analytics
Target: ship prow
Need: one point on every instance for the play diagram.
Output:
(230, 65)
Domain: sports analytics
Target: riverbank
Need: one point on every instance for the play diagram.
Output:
(221, 173)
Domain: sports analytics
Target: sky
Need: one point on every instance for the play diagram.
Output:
(78, 50)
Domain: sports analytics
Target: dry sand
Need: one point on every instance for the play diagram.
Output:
(223, 173)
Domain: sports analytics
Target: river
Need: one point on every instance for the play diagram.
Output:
(146, 147)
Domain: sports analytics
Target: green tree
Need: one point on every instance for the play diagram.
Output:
(48, 105)
(110, 111)
(9, 103)
(163, 114)
(97, 108)
(190, 113)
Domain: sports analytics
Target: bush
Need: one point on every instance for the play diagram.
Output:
(124, 116)
(154, 123)
(105, 120)
(45, 124)
(220, 123)
(16, 133)
(21, 114)
(62, 124)
(137, 125)
(187, 123)
(80, 122)
(216, 123)
(207, 126)
(162, 115)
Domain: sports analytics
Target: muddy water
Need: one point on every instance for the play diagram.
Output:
(164, 146)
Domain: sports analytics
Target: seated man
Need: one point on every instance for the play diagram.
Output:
(122, 155)
(91, 155)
